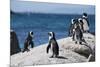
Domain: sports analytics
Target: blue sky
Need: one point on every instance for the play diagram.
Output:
(40, 7)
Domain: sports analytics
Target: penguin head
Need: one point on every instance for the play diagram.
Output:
(76, 24)
(73, 21)
(84, 15)
(31, 34)
(80, 20)
(51, 35)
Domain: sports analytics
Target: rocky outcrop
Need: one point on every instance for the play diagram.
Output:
(14, 44)
(86, 49)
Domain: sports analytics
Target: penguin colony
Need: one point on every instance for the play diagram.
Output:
(77, 28)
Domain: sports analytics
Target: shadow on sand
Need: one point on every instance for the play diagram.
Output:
(61, 57)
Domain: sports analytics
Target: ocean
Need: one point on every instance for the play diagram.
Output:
(41, 24)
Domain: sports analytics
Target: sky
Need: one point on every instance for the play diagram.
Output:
(58, 8)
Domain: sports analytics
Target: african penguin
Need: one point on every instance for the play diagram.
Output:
(85, 22)
(84, 15)
(73, 21)
(71, 26)
(71, 30)
(78, 32)
(28, 42)
(81, 24)
(53, 45)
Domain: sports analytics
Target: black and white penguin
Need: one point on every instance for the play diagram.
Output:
(81, 24)
(71, 29)
(85, 22)
(28, 42)
(78, 32)
(53, 45)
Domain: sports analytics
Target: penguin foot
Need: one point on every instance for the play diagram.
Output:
(56, 56)
(51, 57)
(32, 46)
(76, 42)
(80, 42)
(27, 50)
(23, 51)
(73, 39)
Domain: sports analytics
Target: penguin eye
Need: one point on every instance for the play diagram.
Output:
(80, 20)
(73, 20)
(50, 34)
(31, 33)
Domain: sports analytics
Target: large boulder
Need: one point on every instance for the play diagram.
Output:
(85, 49)
(14, 44)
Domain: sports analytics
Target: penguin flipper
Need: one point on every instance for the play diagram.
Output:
(57, 49)
(48, 48)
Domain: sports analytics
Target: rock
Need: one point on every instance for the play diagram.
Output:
(84, 49)
(91, 58)
(14, 44)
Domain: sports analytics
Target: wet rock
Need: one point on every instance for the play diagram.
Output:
(14, 44)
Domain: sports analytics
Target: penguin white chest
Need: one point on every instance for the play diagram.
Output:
(85, 25)
(51, 46)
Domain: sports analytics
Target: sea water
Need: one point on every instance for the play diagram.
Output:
(41, 24)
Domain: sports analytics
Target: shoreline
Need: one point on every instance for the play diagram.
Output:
(69, 53)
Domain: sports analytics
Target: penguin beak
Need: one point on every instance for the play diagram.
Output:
(48, 33)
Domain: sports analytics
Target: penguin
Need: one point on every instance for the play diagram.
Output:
(71, 31)
(28, 42)
(81, 24)
(78, 32)
(53, 45)
(85, 22)
(71, 27)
